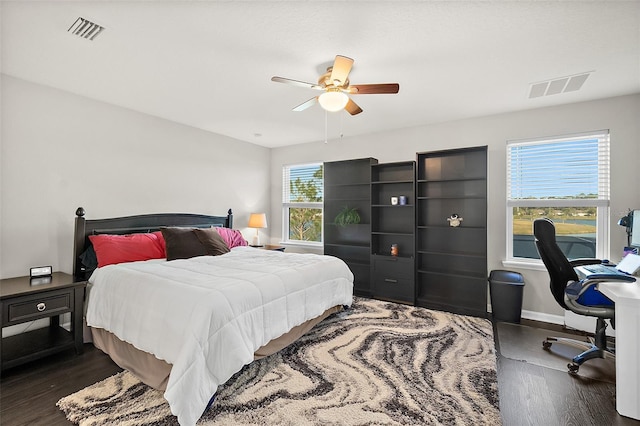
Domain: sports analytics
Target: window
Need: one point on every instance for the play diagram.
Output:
(567, 180)
(302, 196)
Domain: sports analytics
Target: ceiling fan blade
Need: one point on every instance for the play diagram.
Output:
(341, 69)
(311, 102)
(296, 83)
(370, 89)
(352, 108)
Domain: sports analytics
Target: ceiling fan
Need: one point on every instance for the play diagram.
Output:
(336, 87)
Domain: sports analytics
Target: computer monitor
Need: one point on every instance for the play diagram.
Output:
(635, 229)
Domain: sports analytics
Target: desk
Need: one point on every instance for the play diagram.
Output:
(627, 299)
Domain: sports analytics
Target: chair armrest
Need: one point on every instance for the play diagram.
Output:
(575, 288)
(578, 262)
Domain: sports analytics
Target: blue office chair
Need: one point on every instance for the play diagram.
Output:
(581, 297)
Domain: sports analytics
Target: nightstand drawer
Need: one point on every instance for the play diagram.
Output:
(400, 289)
(39, 306)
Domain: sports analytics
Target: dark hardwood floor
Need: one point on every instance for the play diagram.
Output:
(529, 394)
(28, 393)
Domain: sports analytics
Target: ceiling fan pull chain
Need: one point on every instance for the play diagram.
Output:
(325, 125)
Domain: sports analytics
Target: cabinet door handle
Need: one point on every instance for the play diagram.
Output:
(389, 280)
(41, 306)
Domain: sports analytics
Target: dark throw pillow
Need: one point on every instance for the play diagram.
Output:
(212, 241)
(184, 243)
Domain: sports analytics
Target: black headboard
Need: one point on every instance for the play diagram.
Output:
(134, 224)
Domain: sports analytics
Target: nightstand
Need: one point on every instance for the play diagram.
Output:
(272, 247)
(23, 300)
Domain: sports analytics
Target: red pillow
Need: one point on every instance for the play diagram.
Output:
(112, 249)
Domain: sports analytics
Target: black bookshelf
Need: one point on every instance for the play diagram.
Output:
(451, 272)
(347, 184)
(393, 224)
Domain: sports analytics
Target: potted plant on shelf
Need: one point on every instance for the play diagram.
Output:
(347, 216)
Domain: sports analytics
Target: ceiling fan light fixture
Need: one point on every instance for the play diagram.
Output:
(333, 100)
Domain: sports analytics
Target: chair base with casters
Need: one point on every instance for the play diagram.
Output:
(594, 348)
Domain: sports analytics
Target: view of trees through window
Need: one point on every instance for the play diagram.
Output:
(305, 223)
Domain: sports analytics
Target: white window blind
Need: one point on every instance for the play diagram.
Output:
(575, 167)
(302, 206)
(302, 183)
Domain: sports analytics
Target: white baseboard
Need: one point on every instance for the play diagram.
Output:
(569, 320)
(540, 316)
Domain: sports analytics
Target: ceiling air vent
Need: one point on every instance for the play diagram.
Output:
(85, 29)
(558, 85)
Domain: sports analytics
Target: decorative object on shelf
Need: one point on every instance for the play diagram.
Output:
(403, 200)
(257, 221)
(394, 201)
(454, 220)
(347, 216)
(394, 249)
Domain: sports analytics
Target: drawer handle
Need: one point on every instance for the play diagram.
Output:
(389, 280)
(41, 306)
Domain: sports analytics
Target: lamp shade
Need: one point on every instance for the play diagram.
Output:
(333, 100)
(626, 220)
(258, 220)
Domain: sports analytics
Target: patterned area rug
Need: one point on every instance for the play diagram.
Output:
(375, 363)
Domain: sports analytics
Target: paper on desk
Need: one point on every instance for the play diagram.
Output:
(629, 264)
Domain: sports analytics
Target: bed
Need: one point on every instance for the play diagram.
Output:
(187, 325)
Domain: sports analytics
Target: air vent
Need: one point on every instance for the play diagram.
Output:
(85, 29)
(558, 85)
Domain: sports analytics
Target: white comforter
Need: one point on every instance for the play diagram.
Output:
(208, 315)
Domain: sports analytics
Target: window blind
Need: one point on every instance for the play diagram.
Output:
(302, 183)
(575, 167)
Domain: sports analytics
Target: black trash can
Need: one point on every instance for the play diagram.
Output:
(506, 289)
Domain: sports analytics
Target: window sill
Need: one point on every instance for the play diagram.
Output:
(524, 264)
(301, 244)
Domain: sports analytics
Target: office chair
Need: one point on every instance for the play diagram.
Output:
(572, 294)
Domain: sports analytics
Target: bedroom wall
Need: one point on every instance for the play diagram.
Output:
(60, 151)
(619, 115)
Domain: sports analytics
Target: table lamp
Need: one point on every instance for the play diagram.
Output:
(257, 220)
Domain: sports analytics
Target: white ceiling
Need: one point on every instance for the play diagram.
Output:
(209, 64)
